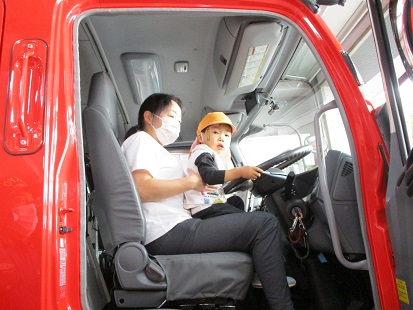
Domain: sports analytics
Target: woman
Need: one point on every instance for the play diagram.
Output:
(161, 182)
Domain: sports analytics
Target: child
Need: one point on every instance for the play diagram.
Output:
(210, 156)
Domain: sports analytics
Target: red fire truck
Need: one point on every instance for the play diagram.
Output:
(339, 166)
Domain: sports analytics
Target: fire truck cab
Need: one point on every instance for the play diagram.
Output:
(338, 167)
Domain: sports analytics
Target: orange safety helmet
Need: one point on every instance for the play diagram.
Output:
(213, 118)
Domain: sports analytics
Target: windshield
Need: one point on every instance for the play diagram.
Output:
(286, 120)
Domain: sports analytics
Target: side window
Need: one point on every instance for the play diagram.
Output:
(363, 51)
(407, 101)
(376, 94)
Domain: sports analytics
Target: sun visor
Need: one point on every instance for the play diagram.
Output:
(243, 53)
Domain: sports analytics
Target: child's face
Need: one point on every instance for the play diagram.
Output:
(217, 137)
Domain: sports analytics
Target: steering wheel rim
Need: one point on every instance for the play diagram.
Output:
(283, 160)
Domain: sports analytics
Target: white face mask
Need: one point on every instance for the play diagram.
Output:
(169, 131)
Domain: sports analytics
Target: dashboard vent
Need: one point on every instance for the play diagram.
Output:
(347, 169)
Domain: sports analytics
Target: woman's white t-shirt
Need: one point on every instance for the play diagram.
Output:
(142, 152)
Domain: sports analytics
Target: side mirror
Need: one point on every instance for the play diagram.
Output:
(401, 16)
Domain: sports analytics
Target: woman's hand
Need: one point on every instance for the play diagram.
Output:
(199, 185)
(151, 189)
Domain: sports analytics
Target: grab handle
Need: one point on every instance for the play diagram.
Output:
(332, 224)
(25, 102)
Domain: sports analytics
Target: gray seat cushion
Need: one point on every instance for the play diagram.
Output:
(207, 275)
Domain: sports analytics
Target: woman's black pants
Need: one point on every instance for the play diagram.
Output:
(257, 233)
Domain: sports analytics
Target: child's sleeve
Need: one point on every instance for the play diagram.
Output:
(208, 170)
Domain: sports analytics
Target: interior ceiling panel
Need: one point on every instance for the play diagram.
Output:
(189, 39)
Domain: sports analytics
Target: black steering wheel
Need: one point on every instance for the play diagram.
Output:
(282, 161)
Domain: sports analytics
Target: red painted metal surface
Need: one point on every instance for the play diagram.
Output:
(39, 267)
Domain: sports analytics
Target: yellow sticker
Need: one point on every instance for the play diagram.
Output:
(402, 291)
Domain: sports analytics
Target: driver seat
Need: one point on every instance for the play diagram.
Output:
(143, 280)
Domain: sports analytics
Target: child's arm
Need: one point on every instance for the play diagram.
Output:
(246, 172)
(208, 170)
(211, 175)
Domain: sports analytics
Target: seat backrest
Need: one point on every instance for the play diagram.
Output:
(115, 200)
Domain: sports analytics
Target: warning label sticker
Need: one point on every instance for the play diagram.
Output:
(402, 291)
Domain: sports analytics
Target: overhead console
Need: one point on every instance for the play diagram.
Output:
(243, 51)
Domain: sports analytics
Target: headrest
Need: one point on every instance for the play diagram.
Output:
(102, 95)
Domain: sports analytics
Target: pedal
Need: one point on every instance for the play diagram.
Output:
(187, 307)
(227, 308)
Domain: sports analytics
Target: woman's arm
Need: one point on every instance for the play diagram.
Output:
(151, 189)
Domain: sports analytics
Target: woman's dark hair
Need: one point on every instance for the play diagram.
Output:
(131, 131)
(155, 104)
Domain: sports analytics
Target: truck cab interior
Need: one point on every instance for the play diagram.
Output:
(265, 74)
